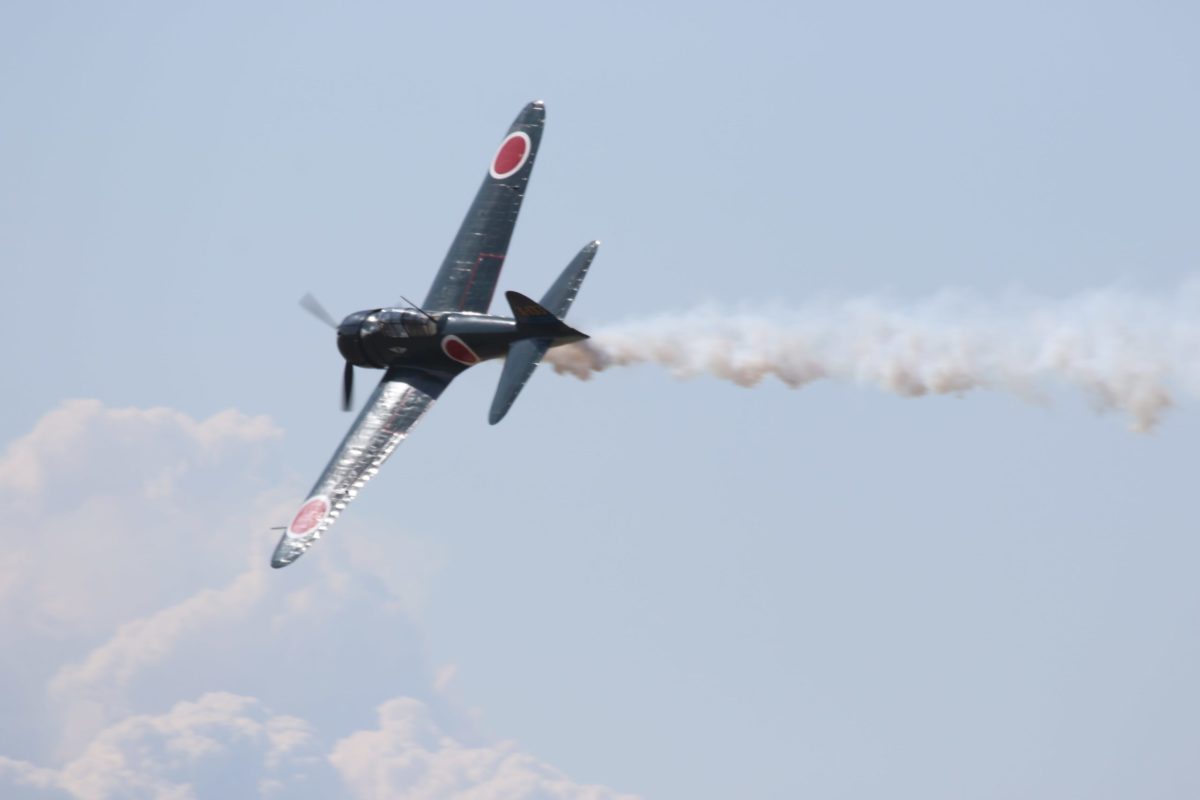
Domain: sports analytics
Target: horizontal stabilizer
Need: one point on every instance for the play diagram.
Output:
(558, 298)
(522, 360)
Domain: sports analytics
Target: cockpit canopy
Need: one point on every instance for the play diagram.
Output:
(397, 323)
(365, 338)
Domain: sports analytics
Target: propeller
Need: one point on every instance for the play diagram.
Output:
(314, 307)
(347, 386)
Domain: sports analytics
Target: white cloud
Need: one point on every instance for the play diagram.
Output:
(221, 744)
(15, 772)
(403, 565)
(143, 642)
(66, 440)
(111, 514)
(409, 756)
(91, 691)
(125, 587)
(228, 745)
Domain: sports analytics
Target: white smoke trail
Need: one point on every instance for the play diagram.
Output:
(1128, 351)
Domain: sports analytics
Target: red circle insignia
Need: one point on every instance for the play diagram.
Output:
(511, 155)
(309, 516)
(457, 349)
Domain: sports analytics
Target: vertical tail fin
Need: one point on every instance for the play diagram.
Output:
(534, 319)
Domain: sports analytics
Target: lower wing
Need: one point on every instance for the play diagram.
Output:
(397, 403)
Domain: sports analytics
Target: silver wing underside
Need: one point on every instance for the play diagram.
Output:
(395, 406)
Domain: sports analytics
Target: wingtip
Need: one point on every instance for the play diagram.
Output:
(283, 556)
(285, 553)
(532, 114)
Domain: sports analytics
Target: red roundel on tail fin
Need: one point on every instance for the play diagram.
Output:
(511, 155)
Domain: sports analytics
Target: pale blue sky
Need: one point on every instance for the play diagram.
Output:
(673, 589)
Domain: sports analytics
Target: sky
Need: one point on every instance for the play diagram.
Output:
(887, 488)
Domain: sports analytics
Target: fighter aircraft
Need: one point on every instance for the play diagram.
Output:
(422, 348)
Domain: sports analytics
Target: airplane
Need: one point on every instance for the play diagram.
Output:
(422, 348)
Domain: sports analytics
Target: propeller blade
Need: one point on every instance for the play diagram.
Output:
(347, 386)
(312, 306)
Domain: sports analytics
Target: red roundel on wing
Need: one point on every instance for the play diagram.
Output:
(455, 348)
(511, 155)
(309, 516)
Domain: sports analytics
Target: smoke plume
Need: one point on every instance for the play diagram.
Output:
(1127, 351)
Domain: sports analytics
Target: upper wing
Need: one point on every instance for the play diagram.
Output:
(397, 403)
(469, 274)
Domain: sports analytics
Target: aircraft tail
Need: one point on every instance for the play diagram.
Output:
(542, 323)
(536, 320)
